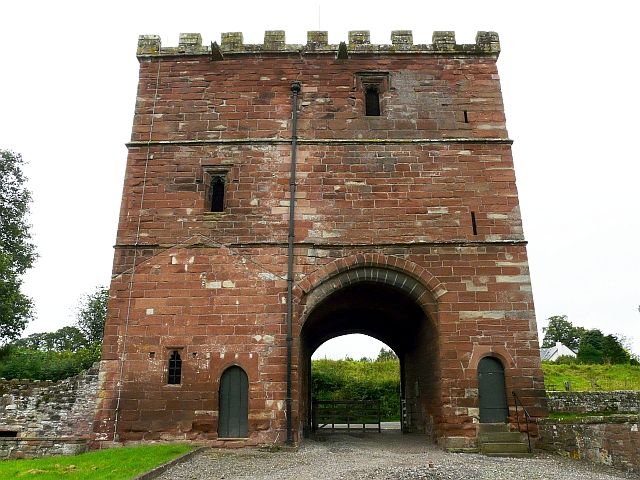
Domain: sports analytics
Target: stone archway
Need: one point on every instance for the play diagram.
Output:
(387, 304)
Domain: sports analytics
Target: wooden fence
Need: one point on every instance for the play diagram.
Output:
(361, 414)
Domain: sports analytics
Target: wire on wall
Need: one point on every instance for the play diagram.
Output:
(135, 254)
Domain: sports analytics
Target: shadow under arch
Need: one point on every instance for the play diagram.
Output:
(387, 304)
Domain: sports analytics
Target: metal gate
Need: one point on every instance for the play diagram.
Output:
(234, 404)
(492, 391)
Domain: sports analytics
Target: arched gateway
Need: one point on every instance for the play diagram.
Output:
(279, 195)
(391, 306)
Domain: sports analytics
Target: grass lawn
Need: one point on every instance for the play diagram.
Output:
(111, 463)
(591, 377)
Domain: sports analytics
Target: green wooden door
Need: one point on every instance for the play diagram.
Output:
(234, 404)
(492, 391)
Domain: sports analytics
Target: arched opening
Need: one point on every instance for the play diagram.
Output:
(492, 392)
(233, 418)
(388, 306)
(355, 383)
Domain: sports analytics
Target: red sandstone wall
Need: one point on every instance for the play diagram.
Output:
(213, 284)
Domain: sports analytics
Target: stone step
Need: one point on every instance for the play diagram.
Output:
(500, 437)
(493, 427)
(497, 440)
(504, 448)
(511, 455)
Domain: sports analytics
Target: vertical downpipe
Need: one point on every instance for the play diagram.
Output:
(295, 89)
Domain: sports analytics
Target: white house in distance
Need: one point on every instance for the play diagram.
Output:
(551, 354)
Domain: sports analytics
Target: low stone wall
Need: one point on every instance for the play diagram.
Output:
(40, 418)
(40, 447)
(611, 440)
(622, 401)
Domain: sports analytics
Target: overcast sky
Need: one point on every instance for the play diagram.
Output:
(68, 82)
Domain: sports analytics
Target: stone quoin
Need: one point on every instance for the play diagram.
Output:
(406, 227)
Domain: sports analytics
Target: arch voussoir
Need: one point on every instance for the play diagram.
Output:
(397, 272)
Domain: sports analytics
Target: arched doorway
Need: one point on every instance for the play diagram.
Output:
(234, 403)
(491, 391)
(389, 306)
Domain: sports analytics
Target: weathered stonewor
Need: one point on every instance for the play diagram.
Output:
(407, 228)
(611, 440)
(39, 418)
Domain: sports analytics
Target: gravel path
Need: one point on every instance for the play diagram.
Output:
(386, 456)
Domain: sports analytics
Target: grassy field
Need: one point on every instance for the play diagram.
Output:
(584, 378)
(358, 380)
(112, 464)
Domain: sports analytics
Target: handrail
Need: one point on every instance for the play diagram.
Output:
(527, 417)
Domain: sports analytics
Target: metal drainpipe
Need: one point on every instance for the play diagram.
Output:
(295, 89)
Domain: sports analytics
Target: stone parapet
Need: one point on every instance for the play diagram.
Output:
(621, 401)
(232, 43)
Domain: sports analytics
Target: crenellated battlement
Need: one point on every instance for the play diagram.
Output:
(232, 43)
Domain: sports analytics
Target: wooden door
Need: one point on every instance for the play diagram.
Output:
(234, 404)
(492, 391)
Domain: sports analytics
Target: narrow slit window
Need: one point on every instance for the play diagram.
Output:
(473, 223)
(175, 368)
(372, 101)
(466, 117)
(217, 194)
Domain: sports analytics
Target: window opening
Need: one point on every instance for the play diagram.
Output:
(372, 101)
(466, 117)
(8, 433)
(473, 223)
(217, 194)
(175, 368)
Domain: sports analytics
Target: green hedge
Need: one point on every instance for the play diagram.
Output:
(359, 380)
(45, 365)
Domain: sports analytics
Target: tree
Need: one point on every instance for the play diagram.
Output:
(36, 341)
(613, 350)
(91, 314)
(385, 355)
(596, 347)
(591, 345)
(17, 253)
(65, 339)
(560, 329)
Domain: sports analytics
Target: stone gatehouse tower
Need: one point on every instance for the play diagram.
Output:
(406, 227)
